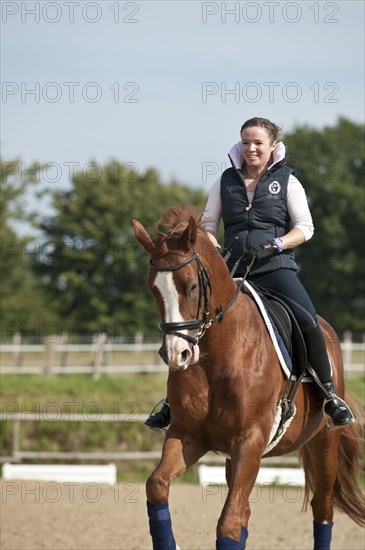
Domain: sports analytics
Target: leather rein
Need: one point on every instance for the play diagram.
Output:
(205, 291)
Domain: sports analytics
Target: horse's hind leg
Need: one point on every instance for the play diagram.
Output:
(319, 457)
(176, 458)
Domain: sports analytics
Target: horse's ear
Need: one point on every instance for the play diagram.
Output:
(143, 237)
(188, 238)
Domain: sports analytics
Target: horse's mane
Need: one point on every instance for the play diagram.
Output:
(174, 219)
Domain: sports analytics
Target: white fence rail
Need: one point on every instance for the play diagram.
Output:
(101, 354)
(70, 473)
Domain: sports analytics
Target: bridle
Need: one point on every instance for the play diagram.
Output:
(205, 291)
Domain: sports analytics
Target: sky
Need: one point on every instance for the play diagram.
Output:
(168, 84)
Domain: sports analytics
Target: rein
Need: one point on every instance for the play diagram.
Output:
(205, 291)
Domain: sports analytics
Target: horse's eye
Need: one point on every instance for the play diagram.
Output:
(193, 288)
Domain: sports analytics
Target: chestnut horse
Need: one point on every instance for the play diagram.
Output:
(224, 386)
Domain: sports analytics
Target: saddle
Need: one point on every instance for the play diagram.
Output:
(287, 326)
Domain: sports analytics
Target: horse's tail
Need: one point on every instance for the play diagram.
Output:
(347, 494)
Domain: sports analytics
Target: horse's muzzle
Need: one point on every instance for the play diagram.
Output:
(182, 359)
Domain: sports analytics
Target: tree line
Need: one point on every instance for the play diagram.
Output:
(79, 271)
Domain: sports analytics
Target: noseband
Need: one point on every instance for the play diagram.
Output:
(205, 291)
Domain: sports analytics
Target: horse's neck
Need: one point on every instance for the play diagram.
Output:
(223, 286)
(237, 309)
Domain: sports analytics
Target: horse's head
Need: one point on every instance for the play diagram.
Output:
(181, 287)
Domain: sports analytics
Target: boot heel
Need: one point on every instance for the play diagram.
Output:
(338, 404)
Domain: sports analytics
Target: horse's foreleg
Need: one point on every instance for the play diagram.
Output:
(157, 489)
(176, 458)
(232, 525)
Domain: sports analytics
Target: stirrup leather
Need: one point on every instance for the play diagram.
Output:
(162, 401)
(326, 416)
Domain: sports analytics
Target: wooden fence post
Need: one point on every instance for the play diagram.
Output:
(16, 438)
(64, 353)
(98, 356)
(108, 354)
(48, 364)
(347, 353)
(18, 353)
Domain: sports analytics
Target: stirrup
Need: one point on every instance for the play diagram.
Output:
(326, 416)
(162, 401)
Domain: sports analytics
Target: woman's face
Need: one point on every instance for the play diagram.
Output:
(256, 147)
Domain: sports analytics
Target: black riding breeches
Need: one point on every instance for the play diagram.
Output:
(285, 284)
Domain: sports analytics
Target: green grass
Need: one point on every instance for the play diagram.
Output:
(357, 388)
(108, 394)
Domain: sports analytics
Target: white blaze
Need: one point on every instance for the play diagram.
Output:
(164, 281)
(175, 345)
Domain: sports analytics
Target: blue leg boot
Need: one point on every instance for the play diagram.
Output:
(322, 533)
(160, 526)
(226, 543)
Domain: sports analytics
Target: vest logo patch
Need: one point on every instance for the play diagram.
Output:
(274, 187)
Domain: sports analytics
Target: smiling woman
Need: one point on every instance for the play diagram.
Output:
(266, 215)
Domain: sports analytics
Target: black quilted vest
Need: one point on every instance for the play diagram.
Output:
(255, 223)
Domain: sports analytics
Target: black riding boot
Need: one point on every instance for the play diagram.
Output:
(161, 419)
(335, 407)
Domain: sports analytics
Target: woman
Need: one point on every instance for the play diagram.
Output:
(264, 205)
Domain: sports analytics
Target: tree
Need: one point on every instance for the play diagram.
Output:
(94, 269)
(330, 165)
(23, 307)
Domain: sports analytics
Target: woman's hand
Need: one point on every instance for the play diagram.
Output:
(259, 252)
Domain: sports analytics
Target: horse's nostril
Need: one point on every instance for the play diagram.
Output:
(185, 355)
